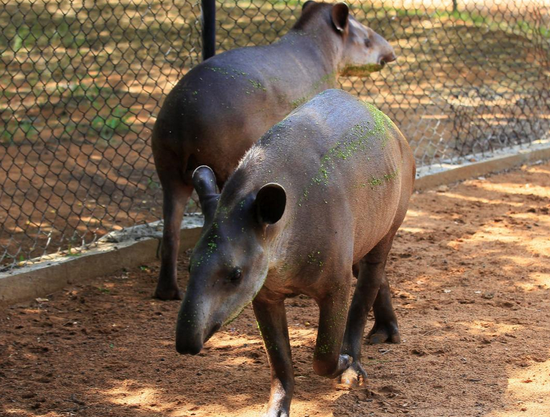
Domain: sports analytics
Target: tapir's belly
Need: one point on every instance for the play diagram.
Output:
(378, 195)
(375, 217)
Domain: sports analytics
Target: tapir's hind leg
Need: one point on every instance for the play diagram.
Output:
(385, 321)
(176, 193)
(372, 290)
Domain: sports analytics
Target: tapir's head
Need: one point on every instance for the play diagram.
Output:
(361, 50)
(230, 262)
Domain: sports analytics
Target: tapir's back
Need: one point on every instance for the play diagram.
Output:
(346, 167)
(223, 105)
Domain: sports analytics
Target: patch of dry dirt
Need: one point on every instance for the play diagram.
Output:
(470, 272)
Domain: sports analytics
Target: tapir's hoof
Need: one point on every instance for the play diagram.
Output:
(383, 334)
(169, 294)
(276, 413)
(354, 376)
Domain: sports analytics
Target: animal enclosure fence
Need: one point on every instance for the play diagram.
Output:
(81, 82)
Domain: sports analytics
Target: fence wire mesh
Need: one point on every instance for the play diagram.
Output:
(82, 80)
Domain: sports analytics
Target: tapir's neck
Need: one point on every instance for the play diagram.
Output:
(317, 50)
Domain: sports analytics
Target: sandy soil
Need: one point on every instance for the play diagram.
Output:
(470, 273)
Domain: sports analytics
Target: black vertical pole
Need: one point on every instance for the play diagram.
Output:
(208, 28)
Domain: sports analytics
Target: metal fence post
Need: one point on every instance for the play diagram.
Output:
(208, 20)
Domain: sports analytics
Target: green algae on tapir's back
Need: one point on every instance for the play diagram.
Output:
(326, 80)
(256, 84)
(381, 121)
(227, 71)
(357, 139)
(234, 73)
(376, 181)
(298, 102)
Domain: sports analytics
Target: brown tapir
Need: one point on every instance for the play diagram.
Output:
(323, 191)
(222, 106)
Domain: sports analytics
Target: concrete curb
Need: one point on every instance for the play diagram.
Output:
(138, 245)
(433, 176)
(54, 272)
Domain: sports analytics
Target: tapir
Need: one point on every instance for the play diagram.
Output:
(225, 104)
(322, 192)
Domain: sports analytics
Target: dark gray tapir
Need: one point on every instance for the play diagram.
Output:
(224, 105)
(322, 192)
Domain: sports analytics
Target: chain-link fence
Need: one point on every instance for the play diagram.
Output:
(82, 80)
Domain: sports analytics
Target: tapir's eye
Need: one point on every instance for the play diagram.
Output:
(367, 42)
(236, 275)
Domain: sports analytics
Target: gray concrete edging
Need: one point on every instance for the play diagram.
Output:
(431, 177)
(53, 272)
(139, 245)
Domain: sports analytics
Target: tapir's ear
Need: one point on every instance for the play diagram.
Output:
(204, 181)
(270, 203)
(340, 13)
(307, 4)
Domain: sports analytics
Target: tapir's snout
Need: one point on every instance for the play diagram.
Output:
(191, 326)
(386, 54)
(188, 345)
(389, 57)
(194, 327)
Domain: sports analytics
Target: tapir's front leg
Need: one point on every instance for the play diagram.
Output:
(327, 360)
(271, 318)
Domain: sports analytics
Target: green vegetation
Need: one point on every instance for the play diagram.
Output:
(105, 116)
(104, 290)
(15, 128)
(115, 122)
(154, 185)
(361, 70)
(72, 68)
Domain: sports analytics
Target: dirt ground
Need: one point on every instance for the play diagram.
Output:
(470, 271)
